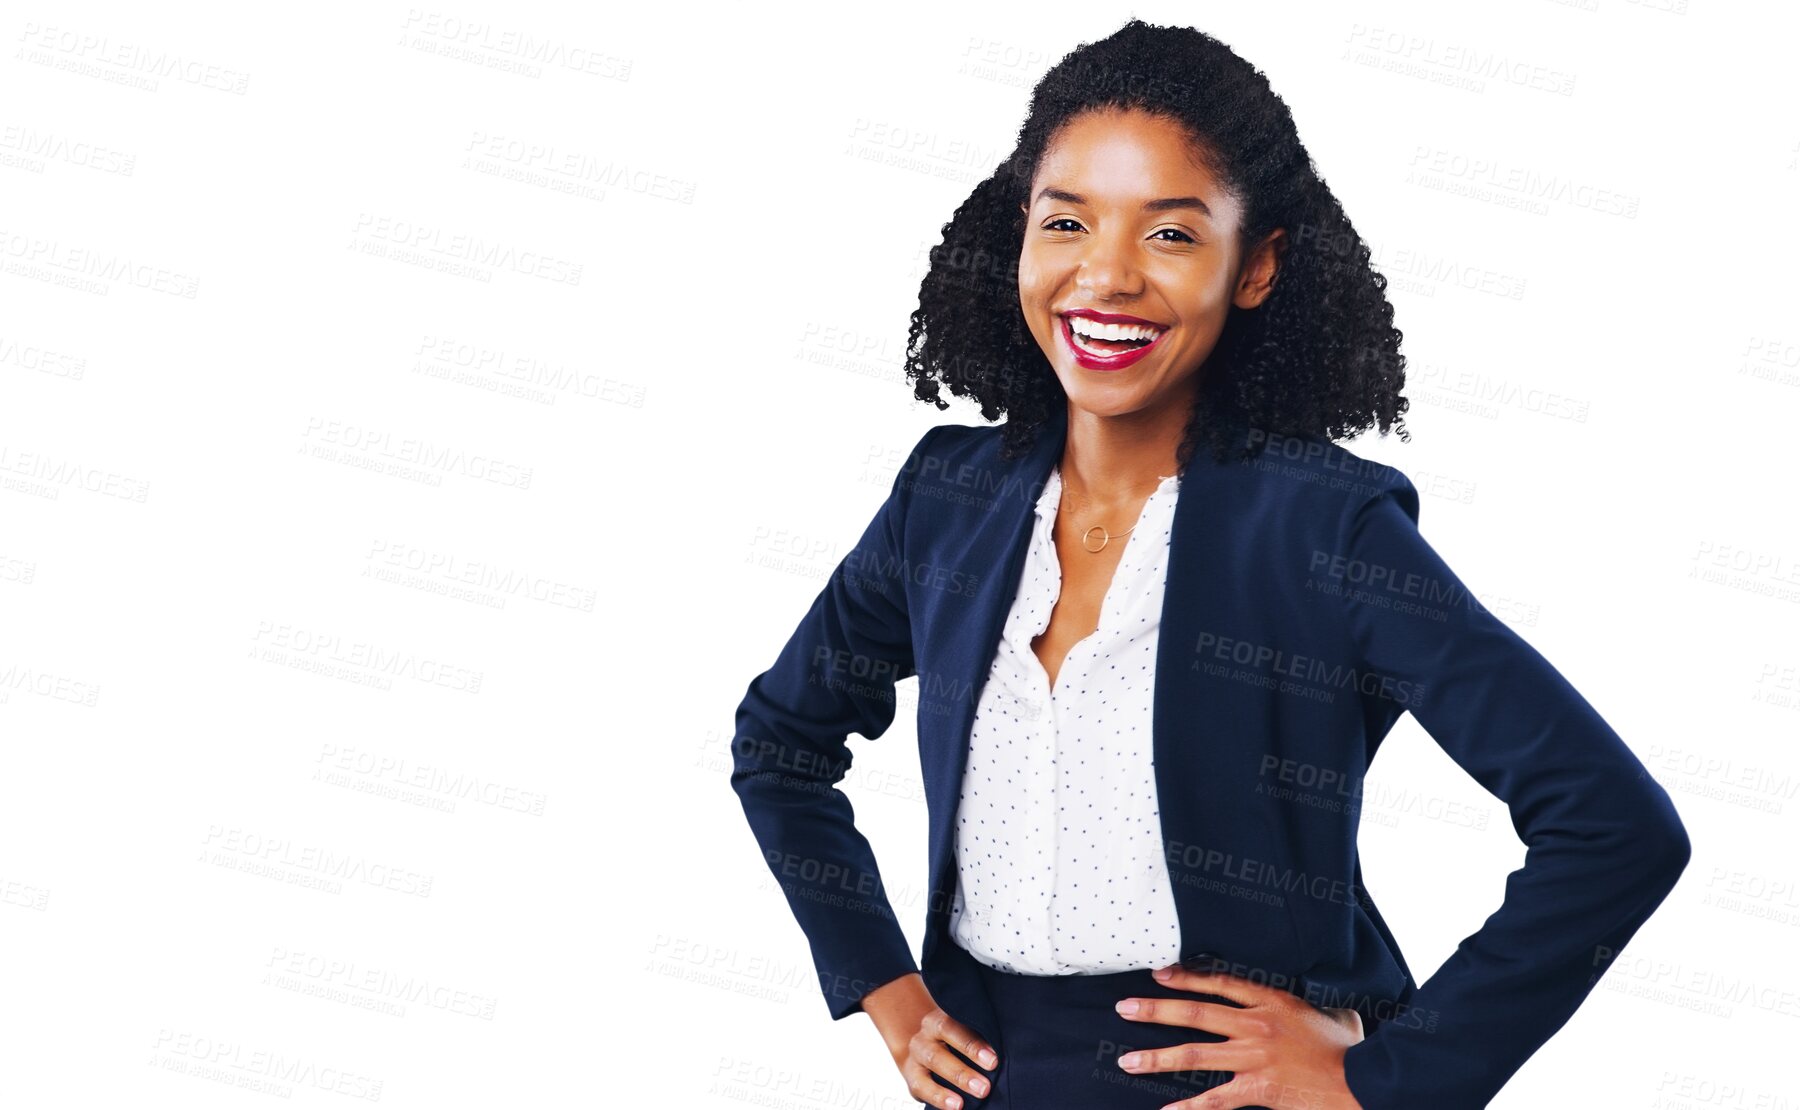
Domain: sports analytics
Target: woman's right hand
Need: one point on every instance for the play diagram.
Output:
(920, 1037)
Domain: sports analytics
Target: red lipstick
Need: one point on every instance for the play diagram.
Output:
(1117, 361)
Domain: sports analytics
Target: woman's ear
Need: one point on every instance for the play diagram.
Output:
(1257, 278)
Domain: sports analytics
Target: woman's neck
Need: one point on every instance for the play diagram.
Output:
(1117, 461)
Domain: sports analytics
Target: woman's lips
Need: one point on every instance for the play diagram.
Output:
(1119, 361)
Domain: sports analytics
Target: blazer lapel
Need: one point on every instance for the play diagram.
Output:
(1211, 733)
(1180, 737)
(994, 545)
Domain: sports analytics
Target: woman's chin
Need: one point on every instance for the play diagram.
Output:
(1106, 406)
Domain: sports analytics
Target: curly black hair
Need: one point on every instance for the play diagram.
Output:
(1320, 356)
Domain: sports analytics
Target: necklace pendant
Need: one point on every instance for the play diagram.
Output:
(1087, 539)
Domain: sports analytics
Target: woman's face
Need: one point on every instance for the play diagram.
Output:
(1123, 224)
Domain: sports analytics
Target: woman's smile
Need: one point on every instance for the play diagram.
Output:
(1108, 340)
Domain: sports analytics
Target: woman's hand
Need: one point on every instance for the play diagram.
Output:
(1287, 1053)
(920, 1036)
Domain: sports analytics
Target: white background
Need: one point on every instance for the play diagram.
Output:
(441, 582)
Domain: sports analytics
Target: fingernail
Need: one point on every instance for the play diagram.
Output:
(1163, 972)
(987, 1058)
(1127, 1006)
(979, 1084)
(955, 1103)
(1129, 1060)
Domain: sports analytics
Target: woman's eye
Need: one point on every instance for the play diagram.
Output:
(1069, 223)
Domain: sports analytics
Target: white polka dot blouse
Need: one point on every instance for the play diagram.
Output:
(1059, 850)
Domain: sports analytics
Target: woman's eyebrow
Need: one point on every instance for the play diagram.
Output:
(1165, 204)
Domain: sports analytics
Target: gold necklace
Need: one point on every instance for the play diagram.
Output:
(1106, 537)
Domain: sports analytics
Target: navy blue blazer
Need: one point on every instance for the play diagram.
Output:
(1303, 613)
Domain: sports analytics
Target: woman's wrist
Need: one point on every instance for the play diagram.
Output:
(896, 1006)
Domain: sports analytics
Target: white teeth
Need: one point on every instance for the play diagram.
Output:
(1093, 329)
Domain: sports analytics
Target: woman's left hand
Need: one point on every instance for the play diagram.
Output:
(1286, 1053)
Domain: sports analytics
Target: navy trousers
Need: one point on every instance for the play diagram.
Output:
(1059, 1040)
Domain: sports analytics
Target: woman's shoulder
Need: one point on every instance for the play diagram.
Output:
(962, 468)
(1315, 462)
(951, 437)
(946, 449)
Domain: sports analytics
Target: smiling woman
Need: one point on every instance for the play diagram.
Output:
(1129, 908)
(1189, 211)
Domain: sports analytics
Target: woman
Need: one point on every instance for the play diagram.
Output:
(1160, 624)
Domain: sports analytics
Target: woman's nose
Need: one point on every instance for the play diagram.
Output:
(1107, 270)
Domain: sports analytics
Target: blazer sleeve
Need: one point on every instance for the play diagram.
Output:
(1604, 844)
(836, 675)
